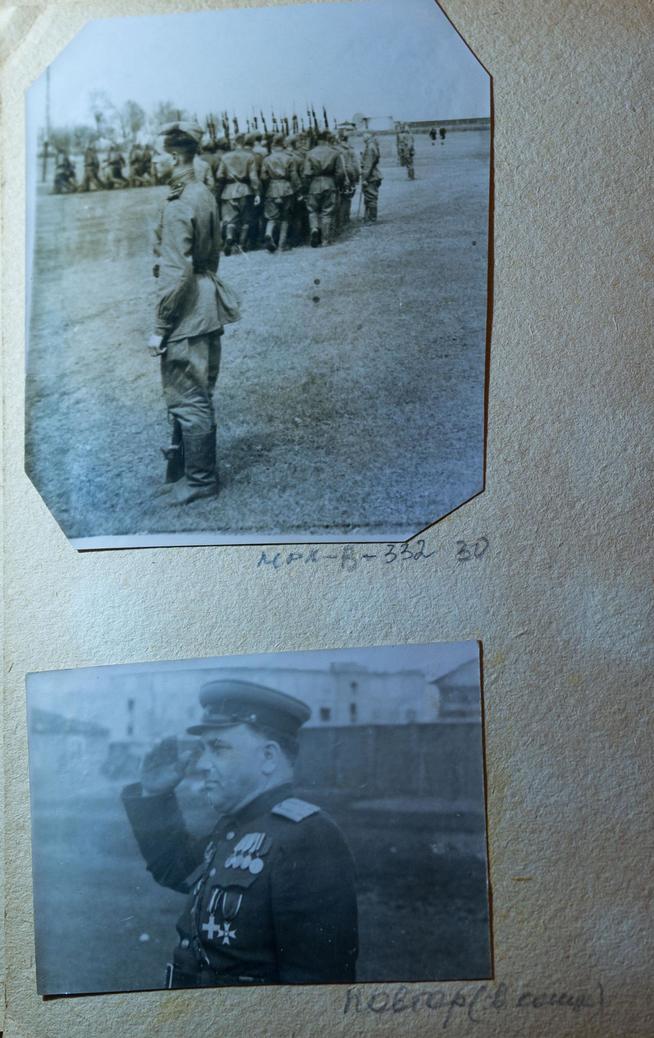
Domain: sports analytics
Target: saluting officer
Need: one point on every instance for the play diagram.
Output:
(271, 892)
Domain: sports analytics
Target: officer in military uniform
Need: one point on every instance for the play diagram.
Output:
(188, 323)
(324, 176)
(371, 178)
(271, 891)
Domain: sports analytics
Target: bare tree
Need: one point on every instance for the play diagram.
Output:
(164, 112)
(132, 119)
(105, 114)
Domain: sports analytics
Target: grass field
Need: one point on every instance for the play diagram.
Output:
(103, 924)
(350, 400)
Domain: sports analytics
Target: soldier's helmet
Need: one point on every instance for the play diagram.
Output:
(278, 140)
(228, 702)
(250, 140)
(239, 140)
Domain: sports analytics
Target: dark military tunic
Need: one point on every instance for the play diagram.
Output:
(271, 892)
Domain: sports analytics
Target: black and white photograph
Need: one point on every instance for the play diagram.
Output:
(257, 277)
(311, 817)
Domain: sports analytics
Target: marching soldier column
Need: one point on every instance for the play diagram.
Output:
(277, 188)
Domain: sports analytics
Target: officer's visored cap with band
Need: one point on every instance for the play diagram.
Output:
(181, 134)
(229, 702)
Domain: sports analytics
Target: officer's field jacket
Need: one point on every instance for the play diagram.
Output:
(187, 249)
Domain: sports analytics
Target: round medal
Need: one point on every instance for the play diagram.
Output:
(245, 861)
(255, 866)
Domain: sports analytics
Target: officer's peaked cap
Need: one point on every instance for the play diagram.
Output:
(229, 702)
(181, 134)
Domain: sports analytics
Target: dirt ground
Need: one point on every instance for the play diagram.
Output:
(103, 924)
(350, 399)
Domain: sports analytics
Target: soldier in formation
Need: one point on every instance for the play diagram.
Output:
(353, 174)
(371, 178)
(140, 166)
(113, 168)
(65, 180)
(275, 190)
(324, 176)
(279, 177)
(406, 150)
(238, 182)
(91, 180)
(271, 895)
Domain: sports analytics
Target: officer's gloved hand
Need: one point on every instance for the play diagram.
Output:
(164, 767)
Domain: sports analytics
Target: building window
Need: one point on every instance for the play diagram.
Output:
(353, 713)
(354, 686)
(325, 713)
(130, 717)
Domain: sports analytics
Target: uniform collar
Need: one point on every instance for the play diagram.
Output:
(179, 182)
(261, 805)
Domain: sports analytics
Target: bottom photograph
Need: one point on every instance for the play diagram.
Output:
(289, 818)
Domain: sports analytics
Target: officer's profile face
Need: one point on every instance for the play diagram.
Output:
(239, 764)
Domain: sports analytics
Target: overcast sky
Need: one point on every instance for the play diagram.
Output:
(61, 690)
(380, 57)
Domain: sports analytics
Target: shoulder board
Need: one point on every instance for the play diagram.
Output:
(294, 809)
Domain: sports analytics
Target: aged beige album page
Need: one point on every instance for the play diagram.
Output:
(326, 518)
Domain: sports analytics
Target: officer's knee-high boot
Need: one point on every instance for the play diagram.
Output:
(245, 234)
(269, 239)
(326, 226)
(230, 238)
(200, 468)
(283, 234)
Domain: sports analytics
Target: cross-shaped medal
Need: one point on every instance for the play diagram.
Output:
(214, 929)
(226, 933)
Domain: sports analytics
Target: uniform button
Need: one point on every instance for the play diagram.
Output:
(230, 835)
(212, 872)
(185, 943)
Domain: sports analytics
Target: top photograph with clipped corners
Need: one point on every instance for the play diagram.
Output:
(257, 254)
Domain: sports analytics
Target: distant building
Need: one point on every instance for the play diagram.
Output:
(346, 694)
(460, 693)
(378, 123)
